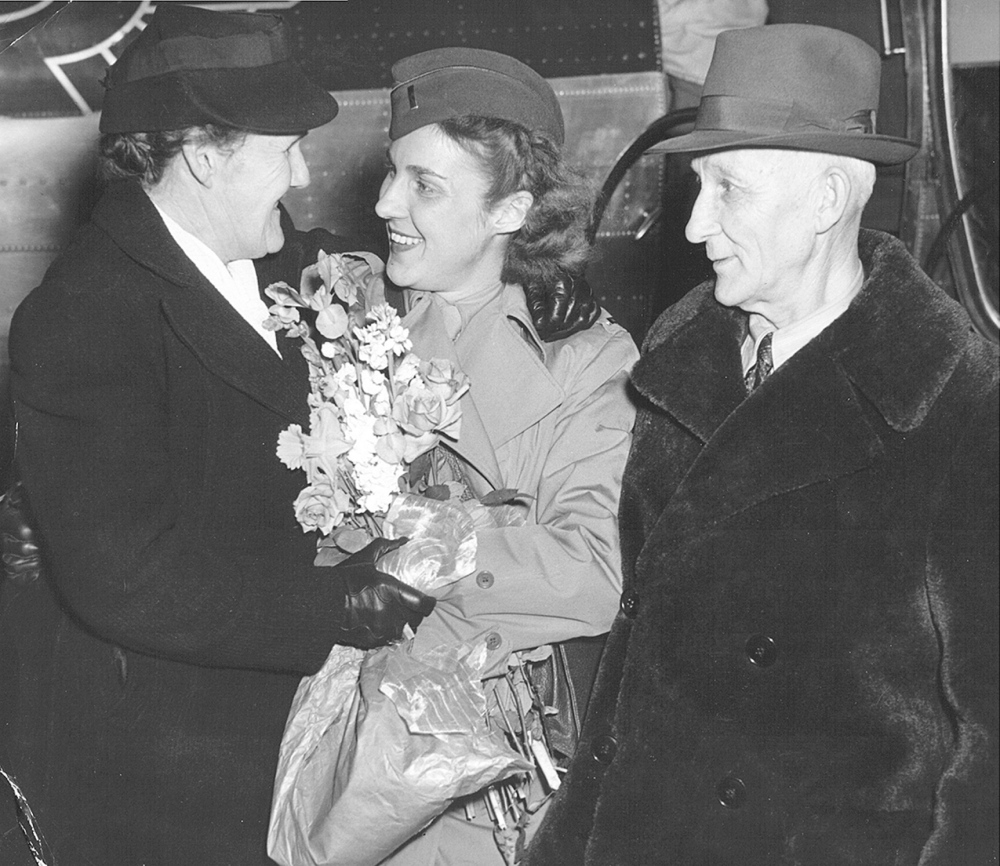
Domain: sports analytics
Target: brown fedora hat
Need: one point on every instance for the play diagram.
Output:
(194, 66)
(450, 82)
(794, 86)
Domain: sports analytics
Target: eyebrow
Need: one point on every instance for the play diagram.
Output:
(419, 170)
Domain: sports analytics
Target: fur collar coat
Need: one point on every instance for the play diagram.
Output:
(804, 669)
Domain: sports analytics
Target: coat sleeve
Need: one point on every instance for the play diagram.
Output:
(558, 577)
(128, 555)
(963, 571)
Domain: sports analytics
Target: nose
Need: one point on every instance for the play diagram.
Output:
(387, 205)
(702, 221)
(300, 170)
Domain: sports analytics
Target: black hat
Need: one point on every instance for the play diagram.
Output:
(451, 82)
(193, 66)
(794, 86)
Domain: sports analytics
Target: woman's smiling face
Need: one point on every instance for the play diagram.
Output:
(442, 237)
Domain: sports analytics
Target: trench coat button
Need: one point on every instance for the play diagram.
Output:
(493, 641)
(731, 791)
(630, 603)
(605, 747)
(761, 650)
(484, 580)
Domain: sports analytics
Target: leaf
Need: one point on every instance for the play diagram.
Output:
(504, 496)
(329, 556)
(349, 539)
(375, 264)
(438, 491)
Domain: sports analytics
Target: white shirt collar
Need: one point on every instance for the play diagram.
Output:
(237, 282)
(786, 341)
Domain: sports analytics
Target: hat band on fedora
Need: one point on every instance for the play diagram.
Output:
(244, 51)
(759, 116)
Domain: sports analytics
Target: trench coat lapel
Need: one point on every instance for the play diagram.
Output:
(804, 425)
(431, 341)
(500, 363)
(201, 318)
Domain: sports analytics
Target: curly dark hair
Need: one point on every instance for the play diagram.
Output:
(145, 155)
(553, 241)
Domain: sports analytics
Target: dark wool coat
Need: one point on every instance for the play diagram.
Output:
(144, 686)
(804, 670)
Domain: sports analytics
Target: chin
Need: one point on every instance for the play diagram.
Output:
(397, 275)
(725, 294)
(732, 293)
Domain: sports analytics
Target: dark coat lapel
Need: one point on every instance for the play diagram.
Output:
(757, 447)
(200, 317)
(803, 426)
(694, 373)
(807, 423)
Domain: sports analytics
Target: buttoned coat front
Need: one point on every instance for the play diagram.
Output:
(804, 670)
(146, 679)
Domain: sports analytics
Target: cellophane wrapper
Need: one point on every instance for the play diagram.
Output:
(378, 744)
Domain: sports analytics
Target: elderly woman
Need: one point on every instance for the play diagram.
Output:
(145, 677)
(478, 204)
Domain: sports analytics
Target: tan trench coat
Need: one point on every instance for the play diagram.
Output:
(551, 420)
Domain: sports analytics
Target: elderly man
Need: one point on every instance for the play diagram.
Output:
(804, 669)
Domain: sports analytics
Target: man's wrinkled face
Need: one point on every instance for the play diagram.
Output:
(250, 181)
(754, 215)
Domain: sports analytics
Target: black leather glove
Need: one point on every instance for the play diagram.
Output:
(22, 562)
(565, 308)
(376, 605)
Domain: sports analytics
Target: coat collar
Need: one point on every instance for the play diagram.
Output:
(898, 311)
(501, 353)
(197, 312)
(901, 338)
(809, 422)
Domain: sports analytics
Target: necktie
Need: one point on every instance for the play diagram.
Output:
(762, 369)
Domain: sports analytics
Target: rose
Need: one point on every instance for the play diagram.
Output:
(430, 402)
(321, 506)
(442, 376)
(421, 409)
(450, 384)
(396, 447)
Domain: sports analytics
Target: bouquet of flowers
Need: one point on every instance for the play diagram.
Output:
(374, 406)
(380, 739)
